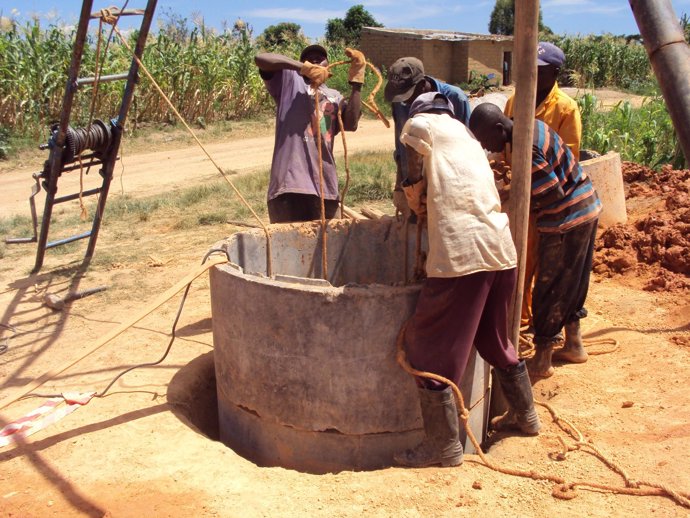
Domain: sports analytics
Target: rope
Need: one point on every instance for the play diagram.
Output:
(269, 264)
(324, 226)
(84, 213)
(164, 297)
(105, 14)
(562, 489)
(347, 167)
(370, 103)
(527, 347)
(108, 16)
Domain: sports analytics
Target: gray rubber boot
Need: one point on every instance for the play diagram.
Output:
(441, 427)
(517, 390)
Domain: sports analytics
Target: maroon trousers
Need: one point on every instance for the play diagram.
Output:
(455, 313)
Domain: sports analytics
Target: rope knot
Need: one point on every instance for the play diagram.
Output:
(107, 15)
(564, 491)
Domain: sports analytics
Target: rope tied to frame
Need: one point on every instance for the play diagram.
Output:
(108, 14)
(269, 263)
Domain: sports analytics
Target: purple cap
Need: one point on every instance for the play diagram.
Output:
(431, 101)
(549, 54)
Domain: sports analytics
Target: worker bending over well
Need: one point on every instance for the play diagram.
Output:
(294, 190)
(567, 211)
(561, 113)
(406, 82)
(471, 275)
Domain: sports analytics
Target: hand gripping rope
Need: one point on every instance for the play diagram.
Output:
(371, 105)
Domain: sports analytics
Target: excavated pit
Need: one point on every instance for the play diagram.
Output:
(305, 368)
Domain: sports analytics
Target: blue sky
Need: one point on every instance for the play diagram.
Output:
(562, 16)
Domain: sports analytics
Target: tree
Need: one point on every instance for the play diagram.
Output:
(502, 19)
(347, 31)
(281, 35)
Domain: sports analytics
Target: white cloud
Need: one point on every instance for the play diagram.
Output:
(399, 19)
(584, 6)
(299, 15)
(50, 16)
(380, 3)
(399, 16)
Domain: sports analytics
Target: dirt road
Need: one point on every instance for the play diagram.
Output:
(150, 173)
(145, 174)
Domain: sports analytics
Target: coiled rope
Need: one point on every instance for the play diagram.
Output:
(562, 489)
(527, 347)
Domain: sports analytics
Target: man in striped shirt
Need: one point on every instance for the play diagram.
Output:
(567, 210)
(560, 111)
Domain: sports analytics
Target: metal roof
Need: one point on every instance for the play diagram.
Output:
(431, 34)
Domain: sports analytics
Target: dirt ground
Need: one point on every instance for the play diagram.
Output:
(173, 166)
(136, 452)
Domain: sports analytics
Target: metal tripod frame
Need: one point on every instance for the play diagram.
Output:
(57, 164)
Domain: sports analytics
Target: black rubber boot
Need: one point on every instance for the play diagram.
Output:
(517, 390)
(441, 427)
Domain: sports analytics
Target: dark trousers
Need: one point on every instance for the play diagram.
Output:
(452, 314)
(560, 289)
(292, 207)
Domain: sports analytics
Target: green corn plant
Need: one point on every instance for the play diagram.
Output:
(644, 135)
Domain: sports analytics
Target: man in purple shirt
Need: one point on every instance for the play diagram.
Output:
(294, 191)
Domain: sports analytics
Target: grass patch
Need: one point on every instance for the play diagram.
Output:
(196, 195)
(16, 226)
(372, 177)
(212, 218)
(213, 204)
(122, 206)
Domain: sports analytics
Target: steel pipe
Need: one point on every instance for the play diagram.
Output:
(670, 57)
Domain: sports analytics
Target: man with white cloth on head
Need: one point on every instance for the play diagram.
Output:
(471, 273)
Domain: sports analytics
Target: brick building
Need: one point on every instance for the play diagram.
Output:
(449, 56)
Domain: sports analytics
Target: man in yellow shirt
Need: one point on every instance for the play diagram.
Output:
(561, 113)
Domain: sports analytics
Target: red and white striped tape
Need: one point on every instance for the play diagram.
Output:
(42, 417)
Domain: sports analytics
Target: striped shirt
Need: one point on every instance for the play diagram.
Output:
(562, 194)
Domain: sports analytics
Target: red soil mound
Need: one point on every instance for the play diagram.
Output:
(655, 243)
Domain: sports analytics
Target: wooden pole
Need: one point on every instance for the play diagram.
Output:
(526, 32)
